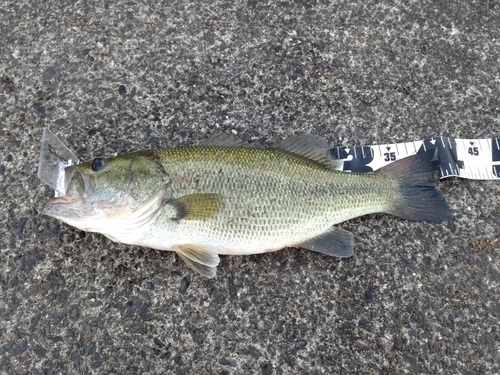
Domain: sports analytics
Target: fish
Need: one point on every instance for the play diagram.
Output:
(226, 196)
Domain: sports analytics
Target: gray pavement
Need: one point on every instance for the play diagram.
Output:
(112, 77)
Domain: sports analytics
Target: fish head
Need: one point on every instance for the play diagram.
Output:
(109, 191)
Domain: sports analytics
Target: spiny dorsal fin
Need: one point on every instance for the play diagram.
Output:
(200, 259)
(225, 140)
(309, 146)
(196, 206)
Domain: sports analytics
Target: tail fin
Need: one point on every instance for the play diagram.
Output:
(417, 199)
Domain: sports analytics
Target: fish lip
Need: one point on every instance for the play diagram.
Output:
(63, 200)
(89, 184)
(67, 198)
(69, 172)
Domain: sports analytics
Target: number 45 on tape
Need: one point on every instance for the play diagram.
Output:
(476, 159)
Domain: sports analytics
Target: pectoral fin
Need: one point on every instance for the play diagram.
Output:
(200, 259)
(196, 206)
(336, 242)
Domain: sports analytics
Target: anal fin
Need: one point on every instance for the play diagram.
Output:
(337, 242)
(200, 259)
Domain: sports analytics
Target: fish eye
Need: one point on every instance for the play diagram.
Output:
(97, 164)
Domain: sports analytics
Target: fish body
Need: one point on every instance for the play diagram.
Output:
(226, 197)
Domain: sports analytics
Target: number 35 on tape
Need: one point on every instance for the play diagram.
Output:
(476, 159)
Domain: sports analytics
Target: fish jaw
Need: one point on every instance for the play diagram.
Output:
(88, 216)
(74, 207)
(70, 211)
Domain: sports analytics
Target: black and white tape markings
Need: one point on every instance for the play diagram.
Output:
(476, 159)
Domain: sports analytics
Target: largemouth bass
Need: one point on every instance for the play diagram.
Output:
(226, 196)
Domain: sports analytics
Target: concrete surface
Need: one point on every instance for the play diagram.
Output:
(114, 76)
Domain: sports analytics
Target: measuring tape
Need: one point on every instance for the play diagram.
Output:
(475, 159)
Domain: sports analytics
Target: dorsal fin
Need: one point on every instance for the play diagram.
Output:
(309, 146)
(225, 140)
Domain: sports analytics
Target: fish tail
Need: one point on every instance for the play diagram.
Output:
(414, 179)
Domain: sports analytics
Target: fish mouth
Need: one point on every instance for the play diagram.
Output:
(78, 186)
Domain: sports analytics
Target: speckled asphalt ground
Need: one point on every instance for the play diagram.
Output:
(114, 76)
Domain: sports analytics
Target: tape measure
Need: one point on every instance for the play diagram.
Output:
(475, 159)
